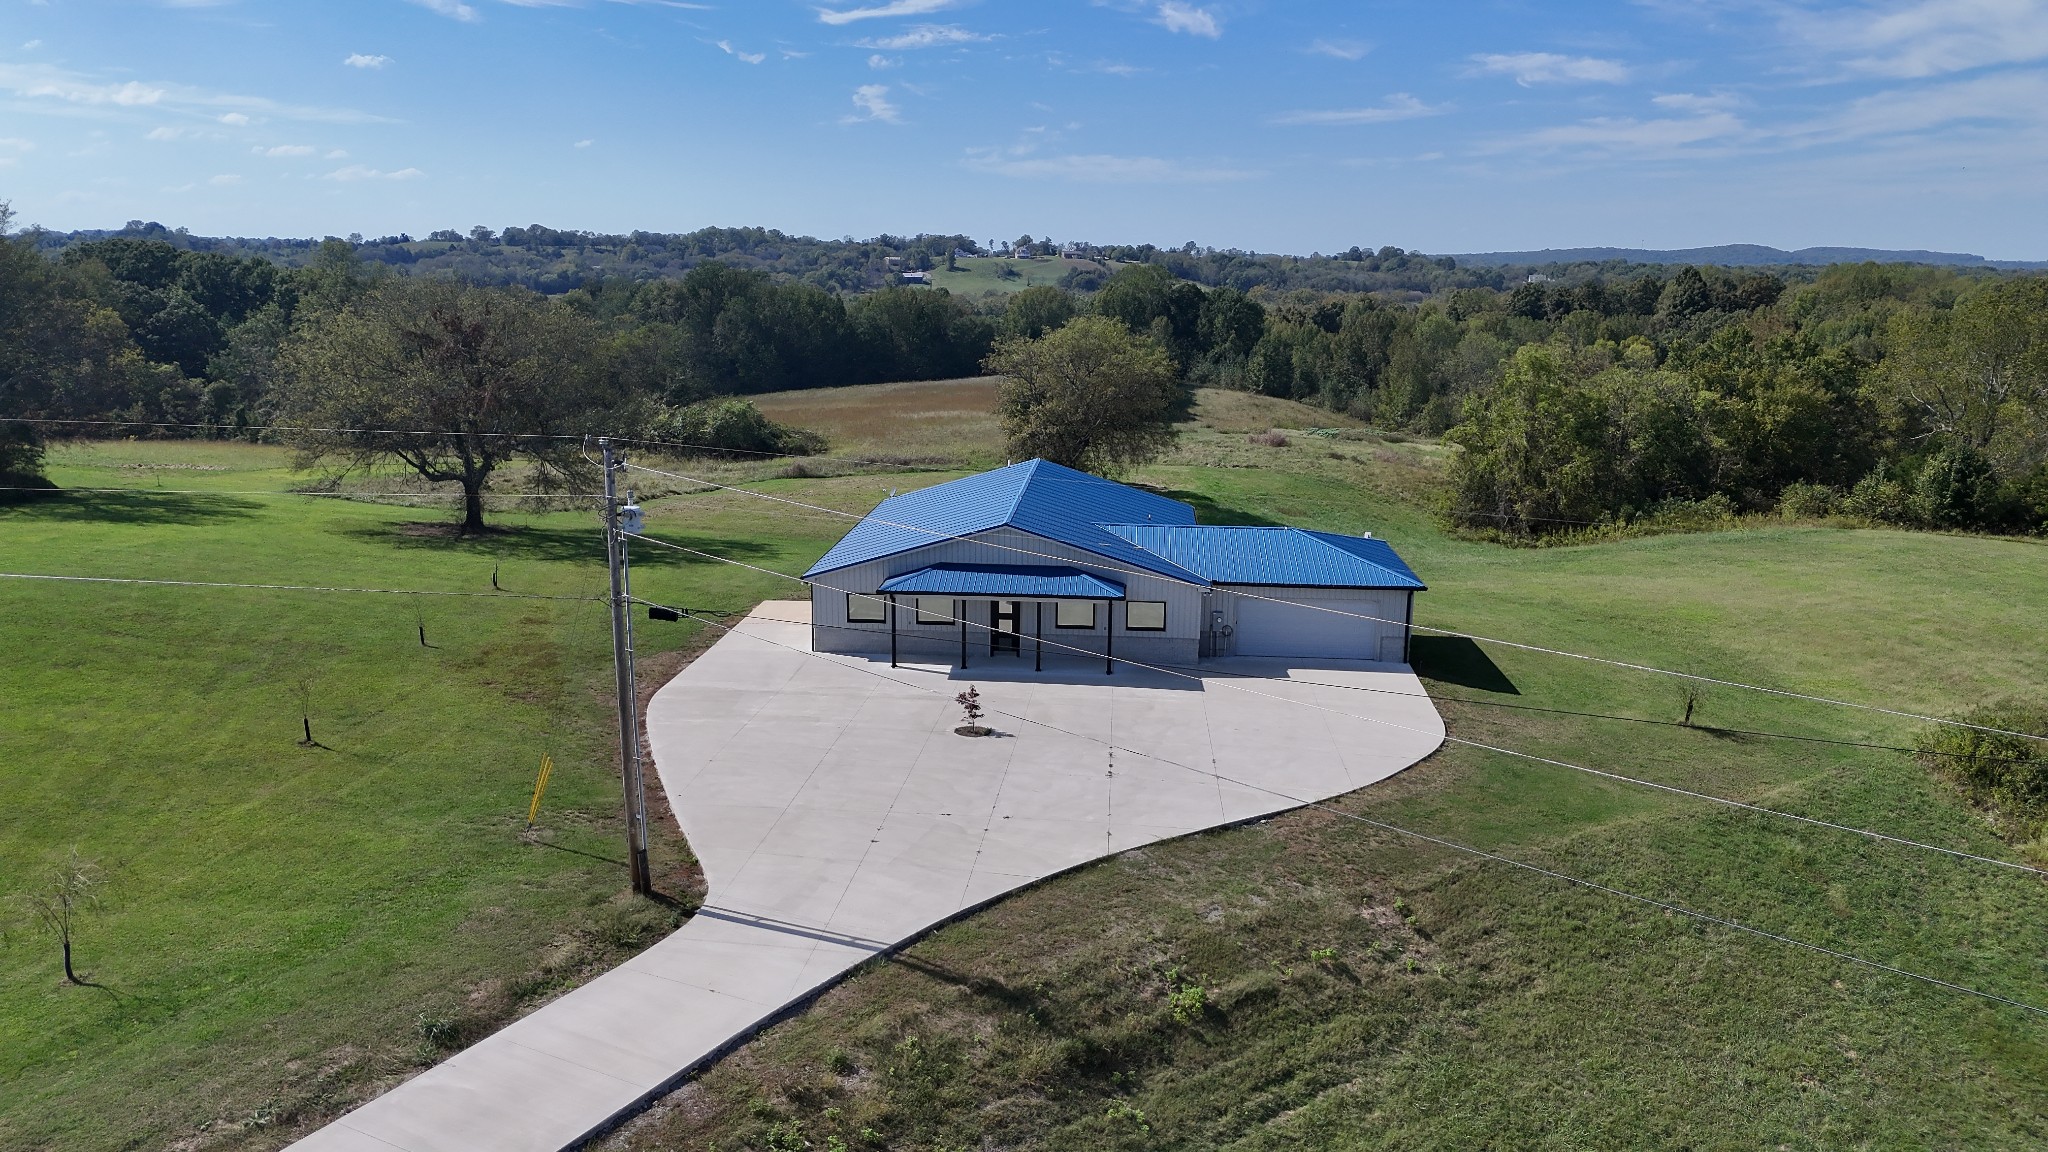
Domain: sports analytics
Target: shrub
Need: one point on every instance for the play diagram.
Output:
(734, 427)
(1273, 438)
(2007, 775)
(1956, 488)
(1879, 497)
(1803, 501)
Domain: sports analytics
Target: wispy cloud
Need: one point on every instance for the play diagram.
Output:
(1399, 106)
(355, 172)
(285, 150)
(1924, 37)
(584, 143)
(360, 60)
(453, 9)
(726, 47)
(879, 61)
(924, 36)
(1340, 49)
(225, 179)
(884, 11)
(1102, 169)
(44, 82)
(872, 103)
(1176, 16)
(1533, 68)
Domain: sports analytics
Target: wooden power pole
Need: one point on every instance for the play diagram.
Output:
(622, 667)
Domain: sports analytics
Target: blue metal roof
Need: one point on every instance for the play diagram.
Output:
(1005, 580)
(1281, 556)
(1036, 496)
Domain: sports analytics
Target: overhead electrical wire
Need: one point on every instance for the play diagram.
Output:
(937, 535)
(1707, 797)
(1443, 842)
(286, 587)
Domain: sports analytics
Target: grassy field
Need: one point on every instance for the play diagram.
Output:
(288, 929)
(284, 929)
(977, 276)
(1365, 991)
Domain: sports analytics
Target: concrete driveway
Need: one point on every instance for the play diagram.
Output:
(838, 816)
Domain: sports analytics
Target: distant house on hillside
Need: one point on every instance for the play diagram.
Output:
(991, 565)
(915, 277)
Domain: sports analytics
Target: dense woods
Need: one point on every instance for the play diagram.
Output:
(1603, 396)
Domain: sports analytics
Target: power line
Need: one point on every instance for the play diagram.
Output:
(1453, 845)
(301, 492)
(285, 587)
(1602, 773)
(938, 535)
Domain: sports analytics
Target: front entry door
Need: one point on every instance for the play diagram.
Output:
(1003, 620)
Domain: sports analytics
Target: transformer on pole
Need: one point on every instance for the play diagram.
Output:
(622, 667)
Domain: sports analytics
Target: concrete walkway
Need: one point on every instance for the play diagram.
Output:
(837, 816)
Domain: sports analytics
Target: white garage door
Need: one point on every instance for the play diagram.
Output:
(1296, 628)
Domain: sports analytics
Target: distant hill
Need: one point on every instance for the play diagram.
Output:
(1736, 256)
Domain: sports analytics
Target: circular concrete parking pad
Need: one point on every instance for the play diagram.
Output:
(838, 816)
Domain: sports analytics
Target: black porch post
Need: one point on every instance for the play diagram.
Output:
(960, 610)
(892, 630)
(1109, 638)
(1038, 627)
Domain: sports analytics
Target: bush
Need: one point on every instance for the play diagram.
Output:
(734, 427)
(21, 457)
(1956, 488)
(2007, 775)
(1879, 497)
(1273, 438)
(1803, 501)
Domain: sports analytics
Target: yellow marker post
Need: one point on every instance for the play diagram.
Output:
(540, 786)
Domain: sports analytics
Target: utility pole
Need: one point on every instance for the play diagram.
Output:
(622, 667)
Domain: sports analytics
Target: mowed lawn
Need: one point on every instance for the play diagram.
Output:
(288, 929)
(1363, 990)
(285, 929)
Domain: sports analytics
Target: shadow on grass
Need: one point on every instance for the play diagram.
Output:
(562, 545)
(1027, 1000)
(1457, 660)
(1208, 511)
(139, 507)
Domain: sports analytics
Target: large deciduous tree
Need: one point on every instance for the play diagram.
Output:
(453, 381)
(1091, 395)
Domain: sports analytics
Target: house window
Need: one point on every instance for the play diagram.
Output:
(1145, 616)
(865, 609)
(935, 610)
(1074, 614)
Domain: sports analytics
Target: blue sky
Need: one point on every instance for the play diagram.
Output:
(1263, 124)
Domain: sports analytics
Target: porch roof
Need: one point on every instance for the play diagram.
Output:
(1007, 581)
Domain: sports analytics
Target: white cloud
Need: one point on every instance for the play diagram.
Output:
(1926, 37)
(585, 143)
(453, 9)
(361, 60)
(225, 179)
(1399, 106)
(336, 154)
(924, 36)
(884, 11)
(31, 45)
(873, 103)
(1340, 49)
(1101, 169)
(285, 150)
(879, 61)
(1176, 16)
(105, 98)
(362, 172)
(726, 47)
(168, 132)
(1532, 68)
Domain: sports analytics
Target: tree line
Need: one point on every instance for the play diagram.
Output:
(1906, 394)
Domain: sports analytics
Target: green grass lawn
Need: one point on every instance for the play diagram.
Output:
(1361, 990)
(978, 275)
(287, 930)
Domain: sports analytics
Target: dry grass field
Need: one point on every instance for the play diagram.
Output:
(928, 423)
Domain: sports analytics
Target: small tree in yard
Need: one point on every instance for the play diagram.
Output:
(1089, 395)
(453, 381)
(68, 893)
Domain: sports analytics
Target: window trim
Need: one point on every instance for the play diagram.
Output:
(948, 617)
(881, 609)
(1094, 615)
(1159, 627)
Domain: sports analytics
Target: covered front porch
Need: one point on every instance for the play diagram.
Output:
(1004, 613)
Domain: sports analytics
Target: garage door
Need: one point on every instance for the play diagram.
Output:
(1296, 628)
